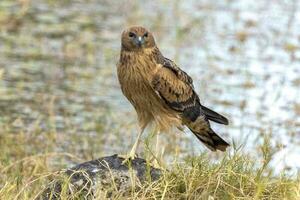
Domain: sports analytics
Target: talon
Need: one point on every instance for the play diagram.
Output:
(158, 165)
(128, 158)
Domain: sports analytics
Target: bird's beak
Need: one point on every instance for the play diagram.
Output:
(139, 41)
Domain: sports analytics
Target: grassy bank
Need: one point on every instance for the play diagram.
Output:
(235, 176)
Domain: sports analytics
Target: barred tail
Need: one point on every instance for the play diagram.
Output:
(211, 140)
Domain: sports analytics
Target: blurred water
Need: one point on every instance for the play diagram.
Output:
(57, 60)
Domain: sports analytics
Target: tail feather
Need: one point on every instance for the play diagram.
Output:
(214, 116)
(211, 140)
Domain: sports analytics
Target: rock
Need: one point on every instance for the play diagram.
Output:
(104, 176)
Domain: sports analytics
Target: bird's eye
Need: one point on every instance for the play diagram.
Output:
(146, 35)
(131, 34)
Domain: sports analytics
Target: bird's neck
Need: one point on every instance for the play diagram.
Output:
(139, 66)
(148, 55)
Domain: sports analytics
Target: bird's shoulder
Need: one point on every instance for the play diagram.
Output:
(168, 64)
(174, 86)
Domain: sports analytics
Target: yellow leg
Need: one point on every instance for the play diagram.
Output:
(157, 146)
(158, 155)
(132, 152)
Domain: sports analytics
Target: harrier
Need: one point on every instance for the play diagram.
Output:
(161, 92)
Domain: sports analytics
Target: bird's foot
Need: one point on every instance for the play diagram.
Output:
(128, 157)
(158, 164)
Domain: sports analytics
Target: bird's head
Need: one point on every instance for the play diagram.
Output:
(137, 38)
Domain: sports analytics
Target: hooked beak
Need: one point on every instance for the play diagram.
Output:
(139, 41)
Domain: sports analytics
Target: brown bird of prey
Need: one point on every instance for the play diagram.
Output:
(161, 92)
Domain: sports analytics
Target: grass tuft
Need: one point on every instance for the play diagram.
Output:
(234, 177)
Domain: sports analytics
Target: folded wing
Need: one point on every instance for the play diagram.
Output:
(176, 89)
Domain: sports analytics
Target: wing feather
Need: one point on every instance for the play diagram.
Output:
(182, 75)
(175, 87)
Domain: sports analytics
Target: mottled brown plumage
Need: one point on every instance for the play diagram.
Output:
(161, 92)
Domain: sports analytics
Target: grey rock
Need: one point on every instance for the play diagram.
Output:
(106, 176)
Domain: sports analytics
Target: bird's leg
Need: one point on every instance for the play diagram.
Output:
(157, 153)
(132, 152)
(135, 146)
(158, 162)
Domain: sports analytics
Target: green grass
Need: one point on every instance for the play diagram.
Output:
(236, 176)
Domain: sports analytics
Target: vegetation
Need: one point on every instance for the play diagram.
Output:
(236, 176)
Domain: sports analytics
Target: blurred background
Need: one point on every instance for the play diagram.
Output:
(59, 90)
